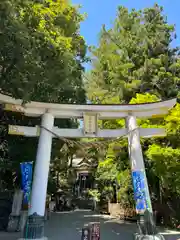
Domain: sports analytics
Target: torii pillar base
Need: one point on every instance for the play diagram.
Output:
(34, 228)
(148, 237)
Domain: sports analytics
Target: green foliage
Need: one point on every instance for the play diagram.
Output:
(134, 56)
(125, 191)
(136, 63)
(173, 126)
(42, 53)
(144, 98)
(166, 165)
(95, 194)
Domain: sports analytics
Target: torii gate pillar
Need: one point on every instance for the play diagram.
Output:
(137, 164)
(41, 170)
(34, 228)
(142, 198)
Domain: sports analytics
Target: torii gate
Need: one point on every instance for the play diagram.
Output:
(90, 114)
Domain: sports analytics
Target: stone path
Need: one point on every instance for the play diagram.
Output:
(68, 225)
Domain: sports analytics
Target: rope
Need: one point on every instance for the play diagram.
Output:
(87, 144)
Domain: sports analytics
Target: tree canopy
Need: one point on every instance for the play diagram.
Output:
(135, 56)
(42, 56)
(42, 51)
(135, 62)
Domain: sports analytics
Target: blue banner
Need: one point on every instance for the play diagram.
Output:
(26, 172)
(140, 191)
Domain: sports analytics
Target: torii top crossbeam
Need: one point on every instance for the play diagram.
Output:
(76, 111)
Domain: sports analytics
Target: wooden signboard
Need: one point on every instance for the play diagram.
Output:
(95, 232)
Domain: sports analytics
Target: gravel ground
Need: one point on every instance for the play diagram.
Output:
(68, 225)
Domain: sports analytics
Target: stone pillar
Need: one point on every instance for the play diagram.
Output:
(14, 218)
(141, 191)
(36, 215)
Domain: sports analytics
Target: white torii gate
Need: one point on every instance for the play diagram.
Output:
(90, 114)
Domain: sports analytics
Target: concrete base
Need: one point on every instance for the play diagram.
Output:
(34, 228)
(148, 237)
(13, 224)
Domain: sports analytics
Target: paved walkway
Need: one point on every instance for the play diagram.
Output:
(68, 225)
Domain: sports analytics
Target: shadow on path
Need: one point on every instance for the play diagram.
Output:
(68, 226)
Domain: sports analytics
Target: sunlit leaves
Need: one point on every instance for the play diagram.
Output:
(134, 57)
(41, 58)
(135, 63)
(42, 51)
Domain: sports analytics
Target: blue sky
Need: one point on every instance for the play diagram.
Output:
(104, 12)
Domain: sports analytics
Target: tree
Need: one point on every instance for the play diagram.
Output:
(135, 56)
(42, 54)
(135, 63)
(42, 51)
(62, 174)
(162, 161)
